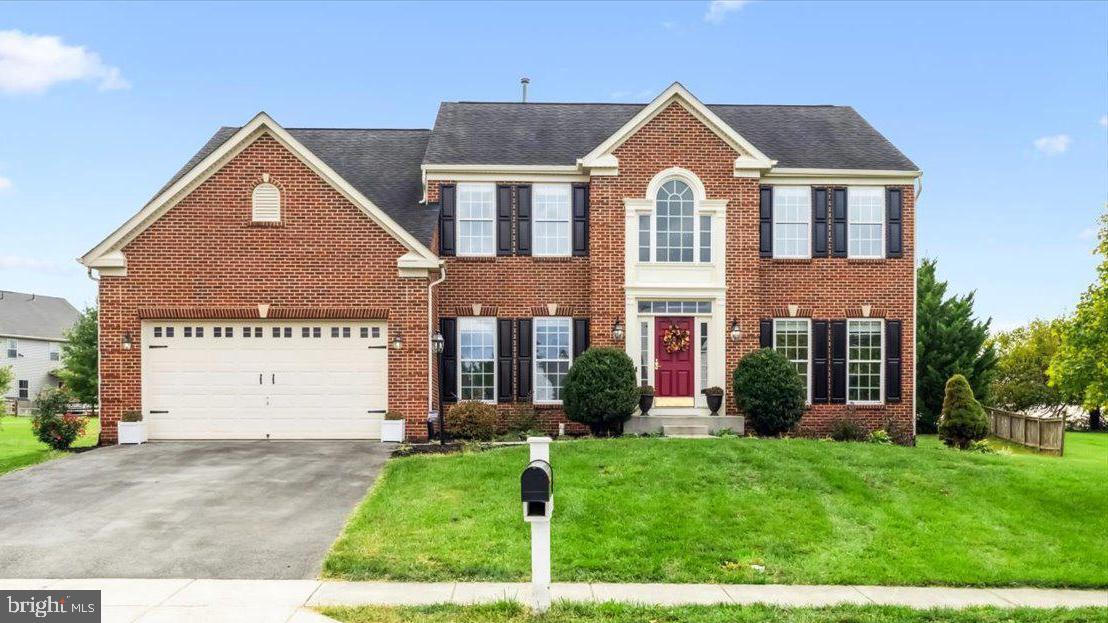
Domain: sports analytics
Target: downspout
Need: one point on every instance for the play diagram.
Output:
(430, 344)
(98, 343)
(915, 308)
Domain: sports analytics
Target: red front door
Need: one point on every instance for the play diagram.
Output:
(674, 373)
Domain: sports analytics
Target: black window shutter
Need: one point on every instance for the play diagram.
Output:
(892, 360)
(838, 222)
(894, 219)
(580, 336)
(446, 220)
(765, 333)
(580, 219)
(819, 361)
(503, 220)
(819, 222)
(765, 222)
(523, 362)
(448, 371)
(504, 360)
(838, 361)
(523, 215)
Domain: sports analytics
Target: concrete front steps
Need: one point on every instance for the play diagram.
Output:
(683, 424)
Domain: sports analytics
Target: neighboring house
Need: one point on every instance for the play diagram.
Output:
(287, 283)
(32, 331)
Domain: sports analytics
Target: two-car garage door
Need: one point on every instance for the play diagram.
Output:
(264, 379)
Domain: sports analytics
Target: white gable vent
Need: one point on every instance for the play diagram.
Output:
(267, 203)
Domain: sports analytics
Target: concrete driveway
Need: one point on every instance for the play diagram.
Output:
(246, 510)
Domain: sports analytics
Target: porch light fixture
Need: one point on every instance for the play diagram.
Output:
(397, 342)
(127, 341)
(617, 331)
(735, 333)
(437, 343)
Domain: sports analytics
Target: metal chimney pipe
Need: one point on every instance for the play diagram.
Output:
(523, 83)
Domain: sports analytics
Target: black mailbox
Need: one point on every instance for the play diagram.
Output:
(536, 483)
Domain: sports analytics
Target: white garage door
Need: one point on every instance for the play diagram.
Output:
(264, 379)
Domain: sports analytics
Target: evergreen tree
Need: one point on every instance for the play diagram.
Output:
(949, 341)
(79, 359)
(963, 420)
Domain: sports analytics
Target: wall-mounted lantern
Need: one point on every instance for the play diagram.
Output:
(437, 343)
(735, 333)
(617, 331)
(127, 341)
(397, 342)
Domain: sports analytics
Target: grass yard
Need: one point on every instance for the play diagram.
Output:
(706, 510)
(617, 613)
(19, 448)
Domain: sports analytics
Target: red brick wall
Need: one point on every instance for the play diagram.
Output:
(205, 253)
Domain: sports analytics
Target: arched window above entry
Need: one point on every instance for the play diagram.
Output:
(266, 207)
(677, 229)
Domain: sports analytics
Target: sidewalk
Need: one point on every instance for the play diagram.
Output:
(288, 601)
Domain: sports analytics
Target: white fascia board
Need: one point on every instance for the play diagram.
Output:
(841, 176)
(676, 92)
(260, 124)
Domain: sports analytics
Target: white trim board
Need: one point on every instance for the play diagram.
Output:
(108, 253)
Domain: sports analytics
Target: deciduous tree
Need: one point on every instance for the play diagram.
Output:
(79, 359)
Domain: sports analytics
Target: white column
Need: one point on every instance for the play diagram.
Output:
(540, 537)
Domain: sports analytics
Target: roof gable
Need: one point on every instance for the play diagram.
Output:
(228, 142)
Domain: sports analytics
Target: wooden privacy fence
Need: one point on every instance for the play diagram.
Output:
(1043, 434)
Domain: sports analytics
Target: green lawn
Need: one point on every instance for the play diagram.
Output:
(617, 613)
(705, 510)
(19, 448)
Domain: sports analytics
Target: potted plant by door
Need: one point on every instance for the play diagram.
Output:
(392, 429)
(715, 398)
(131, 428)
(646, 399)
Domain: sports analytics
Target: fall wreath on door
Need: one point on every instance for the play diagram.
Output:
(675, 339)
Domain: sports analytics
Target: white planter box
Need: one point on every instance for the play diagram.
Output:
(132, 432)
(392, 430)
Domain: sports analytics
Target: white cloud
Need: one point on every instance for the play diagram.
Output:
(5, 183)
(19, 262)
(718, 9)
(1104, 121)
(34, 63)
(632, 96)
(1053, 145)
(1087, 234)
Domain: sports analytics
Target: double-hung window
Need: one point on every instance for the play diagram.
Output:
(553, 355)
(792, 338)
(865, 207)
(13, 349)
(792, 221)
(24, 390)
(863, 361)
(476, 209)
(552, 207)
(477, 359)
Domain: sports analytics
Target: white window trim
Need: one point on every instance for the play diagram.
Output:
(459, 219)
(698, 201)
(535, 356)
(495, 357)
(807, 254)
(883, 225)
(568, 223)
(808, 376)
(880, 363)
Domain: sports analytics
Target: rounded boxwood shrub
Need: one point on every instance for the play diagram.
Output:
(963, 420)
(471, 420)
(769, 391)
(50, 423)
(601, 390)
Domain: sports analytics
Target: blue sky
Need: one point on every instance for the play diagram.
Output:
(1004, 106)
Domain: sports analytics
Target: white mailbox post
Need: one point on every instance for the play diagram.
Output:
(537, 493)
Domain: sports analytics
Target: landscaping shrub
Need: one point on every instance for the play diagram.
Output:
(881, 436)
(523, 419)
(471, 420)
(50, 423)
(963, 420)
(845, 429)
(133, 415)
(601, 390)
(769, 391)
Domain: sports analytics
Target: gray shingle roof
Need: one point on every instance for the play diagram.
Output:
(383, 165)
(34, 315)
(832, 137)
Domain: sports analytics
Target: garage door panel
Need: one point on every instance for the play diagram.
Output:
(310, 387)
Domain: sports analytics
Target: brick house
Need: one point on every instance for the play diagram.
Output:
(288, 283)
